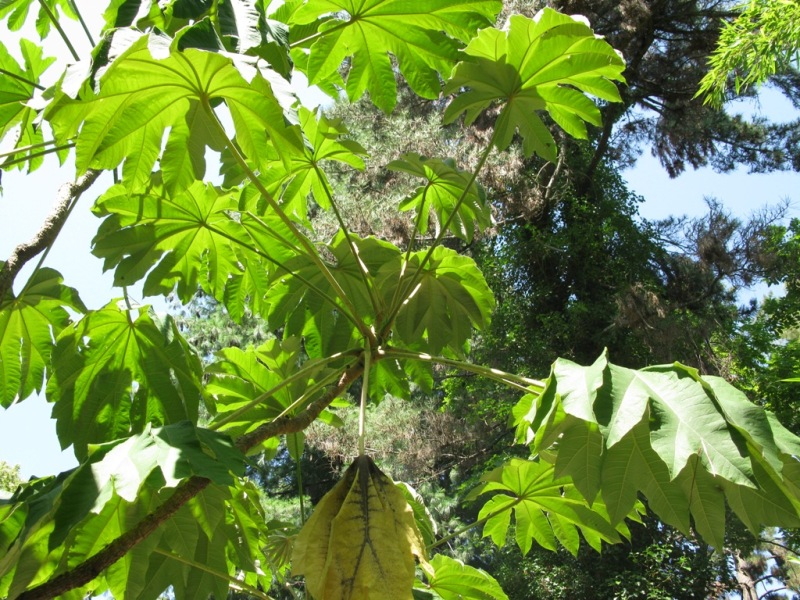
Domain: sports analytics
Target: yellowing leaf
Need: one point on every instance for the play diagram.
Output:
(361, 541)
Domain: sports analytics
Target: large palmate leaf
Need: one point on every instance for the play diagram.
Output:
(17, 90)
(361, 540)
(449, 192)
(238, 25)
(28, 324)
(303, 174)
(449, 298)
(686, 442)
(183, 240)
(15, 13)
(547, 63)
(451, 579)
(252, 386)
(115, 373)
(73, 516)
(304, 301)
(211, 544)
(546, 509)
(423, 36)
(153, 86)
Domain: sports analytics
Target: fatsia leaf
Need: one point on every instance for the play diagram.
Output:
(449, 192)
(361, 540)
(16, 13)
(73, 516)
(153, 86)
(17, 91)
(686, 442)
(422, 516)
(453, 580)
(546, 509)
(547, 64)
(303, 174)
(183, 240)
(449, 298)
(423, 36)
(255, 385)
(302, 300)
(115, 373)
(28, 324)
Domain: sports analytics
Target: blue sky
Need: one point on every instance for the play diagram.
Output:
(27, 435)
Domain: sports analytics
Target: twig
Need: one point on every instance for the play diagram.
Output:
(67, 194)
(91, 568)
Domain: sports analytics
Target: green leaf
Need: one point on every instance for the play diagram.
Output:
(545, 508)
(304, 301)
(153, 86)
(186, 240)
(423, 36)
(17, 101)
(422, 517)
(28, 324)
(686, 442)
(450, 298)
(293, 181)
(73, 516)
(453, 580)
(114, 375)
(17, 11)
(546, 63)
(240, 377)
(446, 186)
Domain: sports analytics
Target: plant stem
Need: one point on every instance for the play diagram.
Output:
(299, 475)
(324, 295)
(319, 34)
(362, 411)
(47, 236)
(362, 268)
(86, 571)
(61, 32)
(410, 285)
(234, 583)
(20, 149)
(273, 204)
(472, 525)
(28, 157)
(523, 384)
(88, 33)
(22, 79)
(299, 374)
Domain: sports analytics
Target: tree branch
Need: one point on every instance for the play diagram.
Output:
(67, 195)
(92, 567)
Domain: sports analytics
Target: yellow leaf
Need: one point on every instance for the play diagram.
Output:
(361, 541)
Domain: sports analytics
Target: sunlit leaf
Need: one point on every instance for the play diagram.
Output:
(75, 515)
(303, 174)
(240, 377)
(17, 92)
(184, 241)
(29, 324)
(114, 373)
(547, 64)
(684, 441)
(450, 298)
(446, 186)
(423, 36)
(16, 12)
(545, 509)
(453, 580)
(153, 86)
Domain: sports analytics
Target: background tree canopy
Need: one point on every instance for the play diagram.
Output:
(412, 278)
